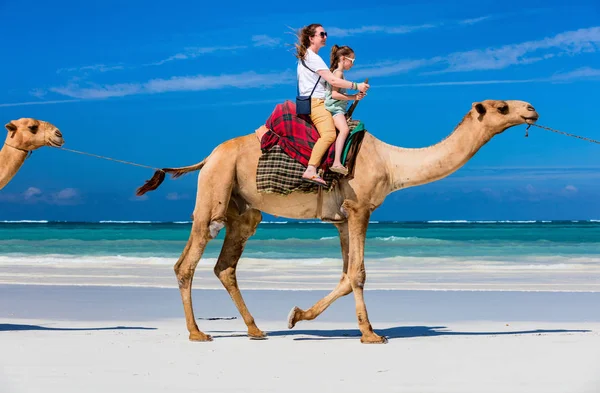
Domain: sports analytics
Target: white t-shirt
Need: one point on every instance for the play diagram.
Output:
(307, 78)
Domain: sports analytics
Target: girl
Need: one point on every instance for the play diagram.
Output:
(312, 74)
(336, 101)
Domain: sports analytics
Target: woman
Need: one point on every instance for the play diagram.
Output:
(312, 74)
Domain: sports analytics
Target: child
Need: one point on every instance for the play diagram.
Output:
(336, 101)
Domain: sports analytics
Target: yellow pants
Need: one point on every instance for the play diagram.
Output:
(323, 121)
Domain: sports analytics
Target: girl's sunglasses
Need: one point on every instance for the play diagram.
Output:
(351, 60)
(323, 34)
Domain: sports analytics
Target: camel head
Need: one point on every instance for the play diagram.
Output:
(30, 134)
(497, 115)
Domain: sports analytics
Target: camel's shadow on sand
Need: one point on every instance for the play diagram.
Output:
(7, 327)
(391, 333)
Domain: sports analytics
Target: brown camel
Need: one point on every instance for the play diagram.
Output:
(24, 136)
(227, 197)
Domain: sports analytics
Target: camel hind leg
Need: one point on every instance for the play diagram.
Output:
(239, 228)
(342, 289)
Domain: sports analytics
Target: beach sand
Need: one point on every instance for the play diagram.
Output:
(125, 339)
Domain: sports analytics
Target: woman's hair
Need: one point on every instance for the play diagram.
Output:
(336, 52)
(304, 39)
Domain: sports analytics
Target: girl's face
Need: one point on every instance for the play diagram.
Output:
(348, 61)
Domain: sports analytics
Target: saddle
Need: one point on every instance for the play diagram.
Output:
(286, 142)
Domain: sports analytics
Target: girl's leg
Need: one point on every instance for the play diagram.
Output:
(323, 122)
(340, 123)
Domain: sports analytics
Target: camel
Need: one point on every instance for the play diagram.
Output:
(227, 197)
(24, 136)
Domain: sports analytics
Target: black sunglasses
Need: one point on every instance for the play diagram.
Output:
(323, 34)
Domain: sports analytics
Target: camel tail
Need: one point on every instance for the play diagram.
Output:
(159, 176)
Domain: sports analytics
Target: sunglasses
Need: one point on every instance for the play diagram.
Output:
(323, 34)
(351, 60)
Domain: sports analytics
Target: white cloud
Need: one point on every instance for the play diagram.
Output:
(93, 68)
(67, 193)
(567, 43)
(571, 189)
(473, 21)
(191, 53)
(179, 83)
(34, 195)
(393, 68)
(265, 40)
(346, 32)
(32, 192)
(36, 103)
(585, 73)
(174, 196)
(580, 73)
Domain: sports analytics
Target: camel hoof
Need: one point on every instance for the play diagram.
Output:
(374, 339)
(292, 317)
(256, 334)
(199, 336)
(258, 338)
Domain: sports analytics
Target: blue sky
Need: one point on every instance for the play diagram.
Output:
(162, 83)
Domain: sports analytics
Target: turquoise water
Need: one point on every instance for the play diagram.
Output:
(507, 241)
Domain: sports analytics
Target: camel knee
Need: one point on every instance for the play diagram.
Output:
(226, 275)
(184, 276)
(357, 279)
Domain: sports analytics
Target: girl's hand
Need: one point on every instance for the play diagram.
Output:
(360, 96)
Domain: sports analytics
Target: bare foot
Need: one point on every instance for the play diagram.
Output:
(315, 179)
(339, 169)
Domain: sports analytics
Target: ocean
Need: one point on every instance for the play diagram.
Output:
(523, 255)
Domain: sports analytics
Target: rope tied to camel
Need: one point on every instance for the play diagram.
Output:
(559, 132)
(153, 182)
(108, 158)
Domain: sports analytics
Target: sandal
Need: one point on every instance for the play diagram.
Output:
(339, 169)
(315, 179)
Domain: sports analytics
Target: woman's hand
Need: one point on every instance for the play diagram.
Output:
(360, 96)
(363, 87)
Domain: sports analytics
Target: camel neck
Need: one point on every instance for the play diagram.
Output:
(413, 167)
(11, 159)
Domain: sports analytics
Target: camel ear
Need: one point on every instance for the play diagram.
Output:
(479, 108)
(11, 127)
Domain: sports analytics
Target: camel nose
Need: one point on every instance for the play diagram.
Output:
(530, 108)
(58, 133)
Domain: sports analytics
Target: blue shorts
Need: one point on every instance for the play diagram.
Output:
(336, 111)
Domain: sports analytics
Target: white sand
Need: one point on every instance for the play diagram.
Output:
(110, 339)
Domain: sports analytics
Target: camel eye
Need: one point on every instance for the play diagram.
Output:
(33, 129)
(503, 109)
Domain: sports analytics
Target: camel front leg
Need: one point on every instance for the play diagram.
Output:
(238, 229)
(342, 289)
(358, 220)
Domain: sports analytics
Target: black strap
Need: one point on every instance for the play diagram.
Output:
(313, 90)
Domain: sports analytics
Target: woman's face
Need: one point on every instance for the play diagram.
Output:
(319, 39)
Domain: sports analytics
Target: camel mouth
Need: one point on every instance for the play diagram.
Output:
(530, 119)
(56, 142)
